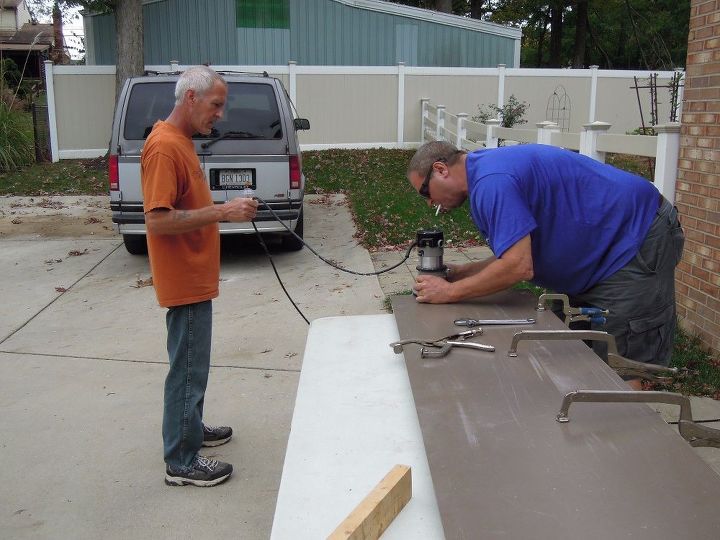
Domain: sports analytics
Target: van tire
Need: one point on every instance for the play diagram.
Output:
(136, 244)
(289, 242)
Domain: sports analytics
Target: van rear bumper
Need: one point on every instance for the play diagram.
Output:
(131, 219)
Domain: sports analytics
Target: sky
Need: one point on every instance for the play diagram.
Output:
(72, 31)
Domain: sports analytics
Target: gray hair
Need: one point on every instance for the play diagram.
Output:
(431, 152)
(198, 78)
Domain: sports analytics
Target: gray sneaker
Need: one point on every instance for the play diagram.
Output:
(215, 436)
(202, 472)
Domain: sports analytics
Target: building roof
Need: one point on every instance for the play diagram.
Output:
(10, 3)
(29, 33)
(23, 47)
(433, 16)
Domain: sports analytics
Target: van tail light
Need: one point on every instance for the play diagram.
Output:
(295, 172)
(113, 174)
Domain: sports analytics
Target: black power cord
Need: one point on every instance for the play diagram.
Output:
(272, 263)
(326, 261)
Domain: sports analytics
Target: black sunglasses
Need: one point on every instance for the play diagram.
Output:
(424, 190)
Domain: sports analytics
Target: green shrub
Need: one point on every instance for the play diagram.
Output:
(510, 114)
(16, 140)
(11, 75)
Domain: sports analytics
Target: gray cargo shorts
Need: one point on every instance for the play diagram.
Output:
(641, 295)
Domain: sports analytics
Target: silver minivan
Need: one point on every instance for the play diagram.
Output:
(254, 145)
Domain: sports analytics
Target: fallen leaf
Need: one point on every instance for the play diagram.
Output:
(16, 221)
(143, 283)
(77, 253)
(60, 289)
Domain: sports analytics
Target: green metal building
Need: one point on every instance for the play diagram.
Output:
(310, 32)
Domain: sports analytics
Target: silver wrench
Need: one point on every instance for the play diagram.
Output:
(478, 322)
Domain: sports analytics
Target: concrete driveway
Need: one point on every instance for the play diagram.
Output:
(82, 365)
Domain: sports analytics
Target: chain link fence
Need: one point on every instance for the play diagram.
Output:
(41, 132)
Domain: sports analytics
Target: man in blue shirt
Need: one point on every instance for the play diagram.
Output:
(605, 237)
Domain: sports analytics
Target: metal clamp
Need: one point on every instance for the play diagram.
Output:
(694, 433)
(574, 314)
(437, 348)
(622, 366)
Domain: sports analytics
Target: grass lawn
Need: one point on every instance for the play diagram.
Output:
(387, 214)
(67, 177)
(386, 208)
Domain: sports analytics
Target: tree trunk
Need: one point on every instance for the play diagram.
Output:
(129, 32)
(444, 6)
(477, 9)
(581, 11)
(541, 43)
(556, 28)
(59, 54)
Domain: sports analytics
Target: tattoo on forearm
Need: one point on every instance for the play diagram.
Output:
(181, 215)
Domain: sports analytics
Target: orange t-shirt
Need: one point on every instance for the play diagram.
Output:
(185, 267)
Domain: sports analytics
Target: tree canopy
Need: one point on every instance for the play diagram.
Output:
(613, 34)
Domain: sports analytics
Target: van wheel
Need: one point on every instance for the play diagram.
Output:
(136, 244)
(291, 243)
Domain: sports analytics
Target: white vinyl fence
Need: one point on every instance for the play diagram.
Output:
(593, 140)
(372, 106)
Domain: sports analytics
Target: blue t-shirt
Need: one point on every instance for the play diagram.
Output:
(586, 220)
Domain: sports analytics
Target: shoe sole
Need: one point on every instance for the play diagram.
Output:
(217, 442)
(180, 481)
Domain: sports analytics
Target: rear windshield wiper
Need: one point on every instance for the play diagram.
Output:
(229, 135)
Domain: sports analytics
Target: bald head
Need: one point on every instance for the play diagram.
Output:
(431, 152)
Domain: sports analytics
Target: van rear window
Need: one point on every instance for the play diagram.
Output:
(251, 109)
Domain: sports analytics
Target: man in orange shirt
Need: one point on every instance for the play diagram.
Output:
(184, 248)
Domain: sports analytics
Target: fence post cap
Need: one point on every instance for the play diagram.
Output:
(292, 63)
(492, 122)
(597, 126)
(546, 124)
(670, 127)
(462, 115)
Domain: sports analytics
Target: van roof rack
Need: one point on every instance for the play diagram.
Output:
(148, 72)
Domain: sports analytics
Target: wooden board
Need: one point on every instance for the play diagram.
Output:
(376, 511)
(502, 467)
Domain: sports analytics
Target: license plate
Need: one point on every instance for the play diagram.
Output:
(235, 179)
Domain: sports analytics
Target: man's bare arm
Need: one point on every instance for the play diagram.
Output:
(166, 221)
(462, 271)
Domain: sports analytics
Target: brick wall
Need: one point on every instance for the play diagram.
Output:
(698, 186)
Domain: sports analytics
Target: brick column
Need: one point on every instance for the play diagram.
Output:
(698, 186)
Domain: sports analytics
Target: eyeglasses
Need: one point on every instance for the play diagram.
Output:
(424, 190)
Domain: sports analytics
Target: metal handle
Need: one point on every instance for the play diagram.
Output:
(426, 352)
(696, 434)
(525, 335)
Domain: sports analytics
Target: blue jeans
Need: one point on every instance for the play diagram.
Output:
(188, 342)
